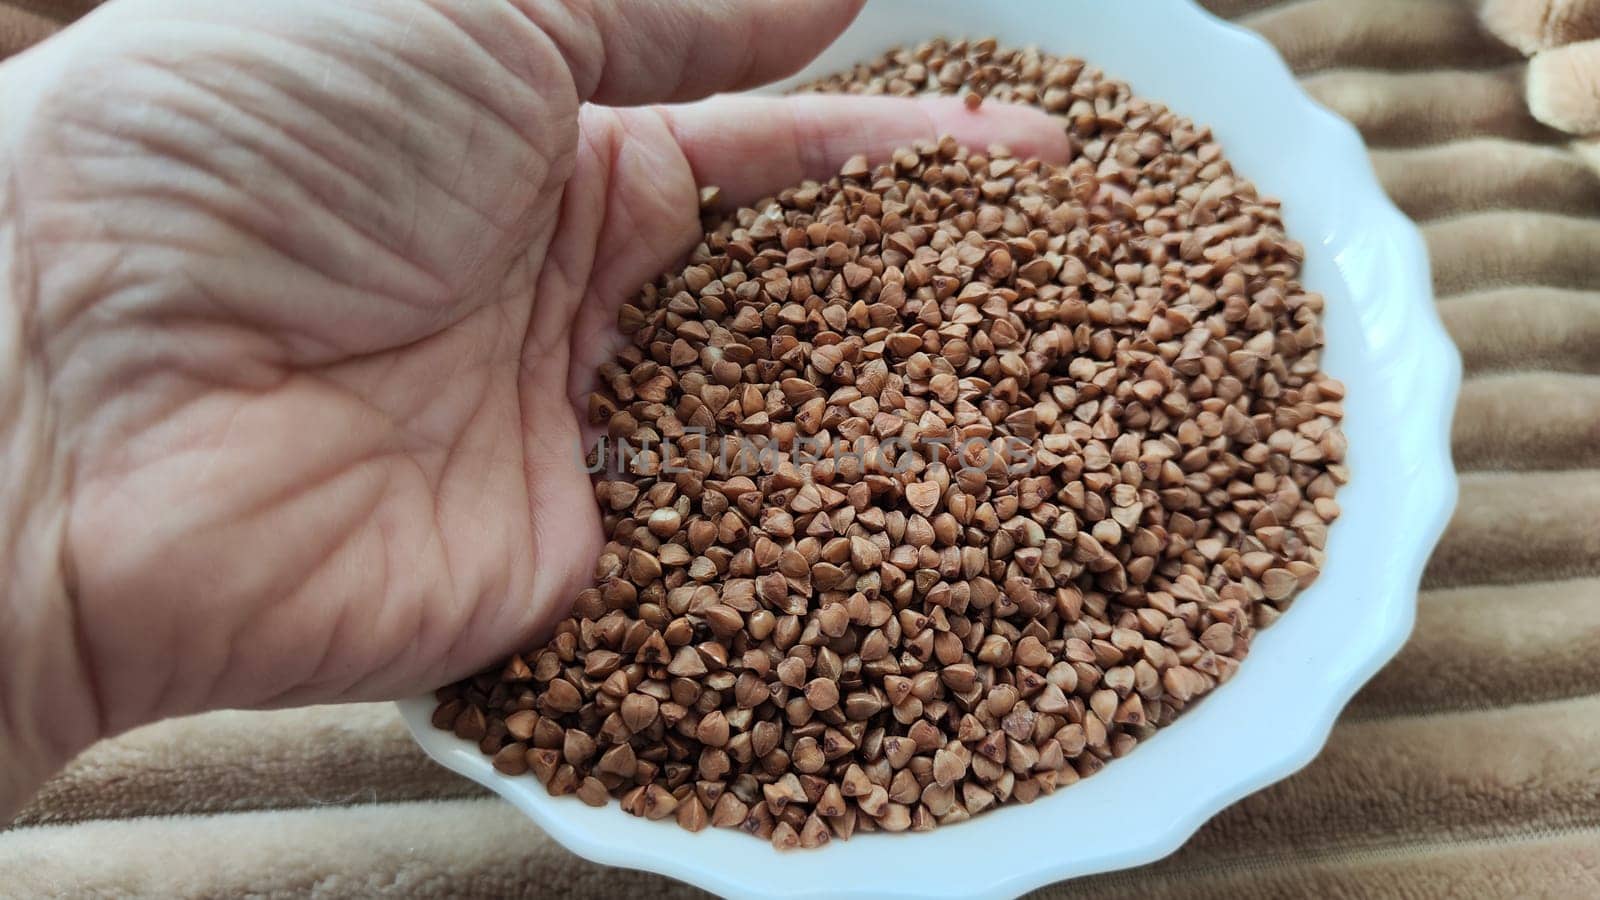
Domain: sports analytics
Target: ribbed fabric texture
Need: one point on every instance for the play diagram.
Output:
(1469, 767)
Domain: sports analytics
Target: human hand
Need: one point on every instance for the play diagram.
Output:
(305, 302)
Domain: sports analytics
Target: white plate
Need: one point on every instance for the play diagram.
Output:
(1384, 341)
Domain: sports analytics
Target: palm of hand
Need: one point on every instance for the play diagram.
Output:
(321, 306)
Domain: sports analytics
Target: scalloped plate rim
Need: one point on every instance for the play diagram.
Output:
(1433, 493)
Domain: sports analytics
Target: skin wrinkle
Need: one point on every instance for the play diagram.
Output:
(542, 228)
(211, 460)
(419, 626)
(400, 425)
(514, 77)
(475, 609)
(23, 295)
(422, 611)
(305, 481)
(103, 274)
(547, 582)
(164, 696)
(405, 125)
(463, 366)
(436, 482)
(293, 598)
(282, 91)
(411, 187)
(447, 659)
(286, 176)
(123, 435)
(557, 266)
(414, 208)
(596, 21)
(111, 726)
(749, 66)
(582, 260)
(623, 132)
(392, 257)
(176, 402)
(210, 296)
(304, 106)
(801, 161)
(148, 386)
(78, 158)
(110, 266)
(206, 321)
(407, 441)
(229, 640)
(460, 93)
(232, 637)
(440, 669)
(586, 65)
(681, 24)
(456, 658)
(392, 359)
(210, 256)
(352, 76)
(670, 122)
(179, 325)
(479, 606)
(316, 676)
(241, 227)
(675, 25)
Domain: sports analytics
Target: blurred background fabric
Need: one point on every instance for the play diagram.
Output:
(1469, 767)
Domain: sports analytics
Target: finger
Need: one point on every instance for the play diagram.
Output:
(1534, 25)
(627, 52)
(1564, 87)
(646, 200)
(750, 147)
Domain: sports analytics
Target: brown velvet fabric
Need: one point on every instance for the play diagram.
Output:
(1469, 767)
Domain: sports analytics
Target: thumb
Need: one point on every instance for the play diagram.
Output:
(628, 52)
(748, 147)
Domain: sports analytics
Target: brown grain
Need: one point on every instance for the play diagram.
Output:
(911, 634)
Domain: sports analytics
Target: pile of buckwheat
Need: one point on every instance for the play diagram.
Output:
(961, 474)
